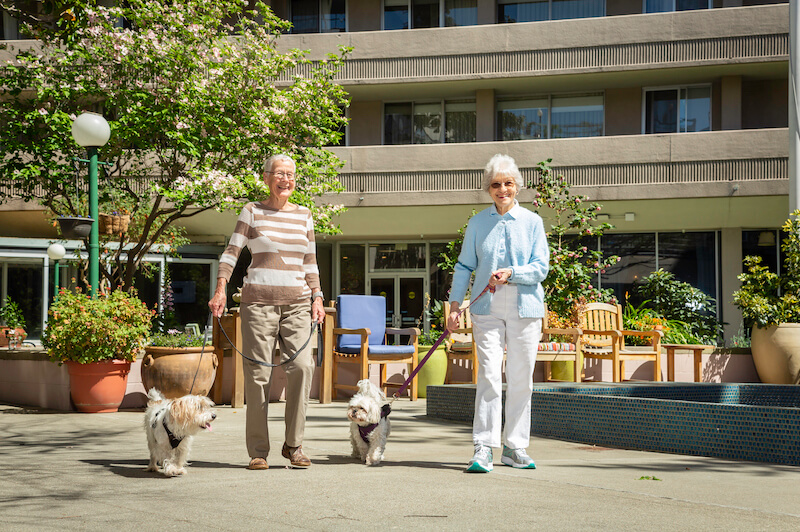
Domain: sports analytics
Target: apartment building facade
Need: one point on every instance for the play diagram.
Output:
(670, 113)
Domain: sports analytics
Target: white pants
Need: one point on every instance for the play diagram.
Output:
(503, 327)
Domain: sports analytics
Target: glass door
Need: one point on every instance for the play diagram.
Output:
(405, 300)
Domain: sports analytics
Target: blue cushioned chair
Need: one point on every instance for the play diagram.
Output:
(360, 338)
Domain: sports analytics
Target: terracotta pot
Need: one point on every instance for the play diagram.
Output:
(776, 353)
(179, 371)
(6, 333)
(98, 386)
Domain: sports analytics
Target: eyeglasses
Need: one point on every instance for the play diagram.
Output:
(507, 184)
(283, 175)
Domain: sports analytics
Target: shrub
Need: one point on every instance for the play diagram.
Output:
(767, 298)
(176, 338)
(87, 329)
(643, 318)
(574, 267)
(11, 315)
(676, 300)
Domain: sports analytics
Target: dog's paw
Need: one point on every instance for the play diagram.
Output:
(174, 471)
(152, 467)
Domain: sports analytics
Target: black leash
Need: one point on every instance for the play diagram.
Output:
(314, 326)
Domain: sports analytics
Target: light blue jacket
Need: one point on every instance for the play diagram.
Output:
(519, 236)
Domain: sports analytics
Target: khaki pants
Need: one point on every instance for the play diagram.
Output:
(262, 327)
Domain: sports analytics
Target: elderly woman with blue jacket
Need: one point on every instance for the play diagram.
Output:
(505, 246)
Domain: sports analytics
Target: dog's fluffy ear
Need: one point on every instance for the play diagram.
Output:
(368, 389)
(154, 396)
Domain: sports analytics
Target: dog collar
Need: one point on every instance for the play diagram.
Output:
(367, 430)
(173, 441)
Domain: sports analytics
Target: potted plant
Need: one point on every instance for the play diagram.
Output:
(179, 363)
(97, 338)
(13, 332)
(771, 302)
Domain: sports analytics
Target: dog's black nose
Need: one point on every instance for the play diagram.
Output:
(213, 416)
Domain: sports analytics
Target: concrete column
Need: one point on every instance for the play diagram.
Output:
(487, 11)
(731, 102)
(731, 261)
(794, 127)
(365, 125)
(484, 115)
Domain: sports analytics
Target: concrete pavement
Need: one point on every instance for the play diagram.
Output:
(70, 471)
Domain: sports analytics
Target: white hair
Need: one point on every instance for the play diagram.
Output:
(269, 163)
(501, 164)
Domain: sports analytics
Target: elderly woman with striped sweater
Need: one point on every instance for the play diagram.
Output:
(280, 298)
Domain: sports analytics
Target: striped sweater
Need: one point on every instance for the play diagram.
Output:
(283, 270)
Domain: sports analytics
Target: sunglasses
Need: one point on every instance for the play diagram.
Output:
(508, 184)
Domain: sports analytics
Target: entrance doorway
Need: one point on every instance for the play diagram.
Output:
(405, 298)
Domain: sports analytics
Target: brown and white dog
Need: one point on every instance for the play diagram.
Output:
(170, 425)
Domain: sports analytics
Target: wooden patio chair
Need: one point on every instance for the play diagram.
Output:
(460, 345)
(603, 338)
(550, 351)
(360, 338)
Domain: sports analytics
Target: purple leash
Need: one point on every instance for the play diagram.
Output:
(437, 344)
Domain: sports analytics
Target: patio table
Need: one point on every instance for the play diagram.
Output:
(695, 349)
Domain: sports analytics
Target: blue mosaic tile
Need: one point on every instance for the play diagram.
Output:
(757, 422)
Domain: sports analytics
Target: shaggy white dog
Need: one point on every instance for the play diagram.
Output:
(171, 425)
(369, 428)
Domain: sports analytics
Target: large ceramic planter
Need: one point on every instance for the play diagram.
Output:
(179, 371)
(776, 353)
(98, 386)
(434, 370)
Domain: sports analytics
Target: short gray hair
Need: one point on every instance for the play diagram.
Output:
(269, 163)
(501, 165)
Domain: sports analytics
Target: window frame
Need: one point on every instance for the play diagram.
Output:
(442, 113)
(672, 10)
(549, 98)
(549, 11)
(678, 89)
(319, 19)
(410, 19)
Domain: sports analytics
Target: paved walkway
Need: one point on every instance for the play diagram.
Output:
(67, 471)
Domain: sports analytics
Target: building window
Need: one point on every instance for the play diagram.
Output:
(690, 256)
(677, 110)
(404, 14)
(9, 27)
(459, 119)
(421, 123)
(550, 117)
(509, 11)
(318, 16)
(664, 6)
(576, 116)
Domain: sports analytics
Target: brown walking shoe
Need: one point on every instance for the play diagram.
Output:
(296, 456)
(258, 463)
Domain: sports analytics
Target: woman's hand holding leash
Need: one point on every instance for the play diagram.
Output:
(317, 311)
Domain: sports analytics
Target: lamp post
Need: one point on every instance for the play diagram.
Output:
(91, 131)
(56, 252)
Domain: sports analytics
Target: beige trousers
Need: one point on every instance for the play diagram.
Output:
(262, 327)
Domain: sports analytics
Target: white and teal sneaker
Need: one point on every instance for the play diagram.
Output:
(517, 458)
(481, 461)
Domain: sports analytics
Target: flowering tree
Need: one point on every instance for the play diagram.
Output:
(197, 97)
(574, 266)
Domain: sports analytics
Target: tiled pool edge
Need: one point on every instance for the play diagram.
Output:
(732, 431)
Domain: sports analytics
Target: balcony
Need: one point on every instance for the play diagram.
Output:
(731, 38)
(713, 164)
